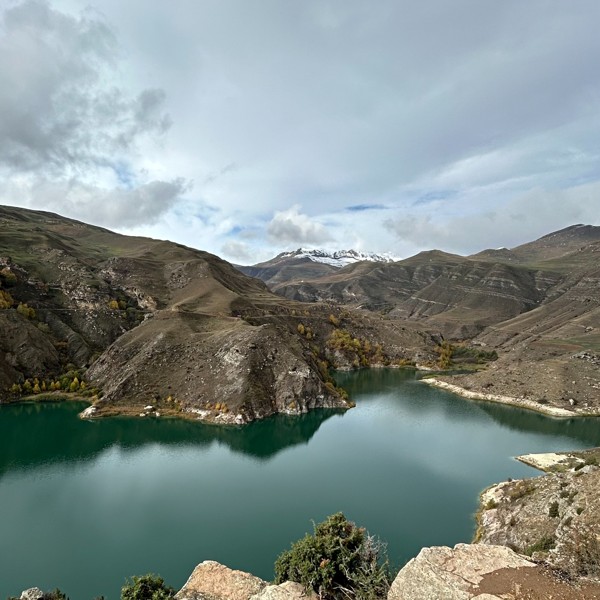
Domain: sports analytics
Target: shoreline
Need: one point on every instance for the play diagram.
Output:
(551, 411)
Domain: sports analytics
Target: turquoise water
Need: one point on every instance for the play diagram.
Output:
(87, 504)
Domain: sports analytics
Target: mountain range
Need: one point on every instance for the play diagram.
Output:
(152, 327)
(460, 295)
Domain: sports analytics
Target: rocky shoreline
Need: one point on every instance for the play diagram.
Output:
(551, 411)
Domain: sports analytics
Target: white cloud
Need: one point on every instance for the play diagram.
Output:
(523, 218)
(293, 227)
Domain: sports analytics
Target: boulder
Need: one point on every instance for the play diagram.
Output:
(211, 580)
(33, 593)
(290, 590)
(442, 573)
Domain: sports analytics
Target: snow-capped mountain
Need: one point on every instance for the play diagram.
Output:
(339, 258)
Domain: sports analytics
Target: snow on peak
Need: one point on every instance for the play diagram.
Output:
(339, 258)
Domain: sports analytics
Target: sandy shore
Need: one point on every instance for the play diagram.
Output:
(552, 411)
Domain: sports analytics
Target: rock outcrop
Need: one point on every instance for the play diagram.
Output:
(554, 518)
(211, 580)
(482, 572)
(289, 590)
(32, 594)
(465, 572)
(452, 573)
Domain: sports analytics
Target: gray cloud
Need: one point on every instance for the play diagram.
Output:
(447, 112)
(293, 227)
(69, 135)
(238, 251)
(59, 111)
(110, 207)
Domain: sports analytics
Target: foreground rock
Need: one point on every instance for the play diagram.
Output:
(211, 580)
(289, 590)
(214, 581)
(478, 571)
(452, 574)
(482, 572)
(32, 594)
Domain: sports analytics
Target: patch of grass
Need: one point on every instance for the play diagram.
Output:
(521, 490)
(542, 545)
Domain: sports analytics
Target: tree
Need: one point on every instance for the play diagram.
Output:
(6, 300)
(147, 587)
(339, 561)
(26, 311)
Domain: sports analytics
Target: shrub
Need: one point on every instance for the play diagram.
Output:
(55, 595)
(553, 510)
(7, 276)
(6, 300)
(26, 311)
(340, 560)
(147, 587)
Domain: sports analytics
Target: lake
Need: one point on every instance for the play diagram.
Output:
(87, 504)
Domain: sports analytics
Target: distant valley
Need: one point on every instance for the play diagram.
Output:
(537, 305)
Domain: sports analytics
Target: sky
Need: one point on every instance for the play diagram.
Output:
(250, 128)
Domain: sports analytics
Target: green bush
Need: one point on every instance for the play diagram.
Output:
(147, 587)
(340, 560)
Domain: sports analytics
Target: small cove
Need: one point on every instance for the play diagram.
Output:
(85, 504)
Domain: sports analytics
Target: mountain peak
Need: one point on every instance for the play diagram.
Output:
(337, 258)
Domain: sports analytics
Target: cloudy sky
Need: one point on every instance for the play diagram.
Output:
(248, 128)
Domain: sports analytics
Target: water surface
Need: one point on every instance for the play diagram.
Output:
(86, 504)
